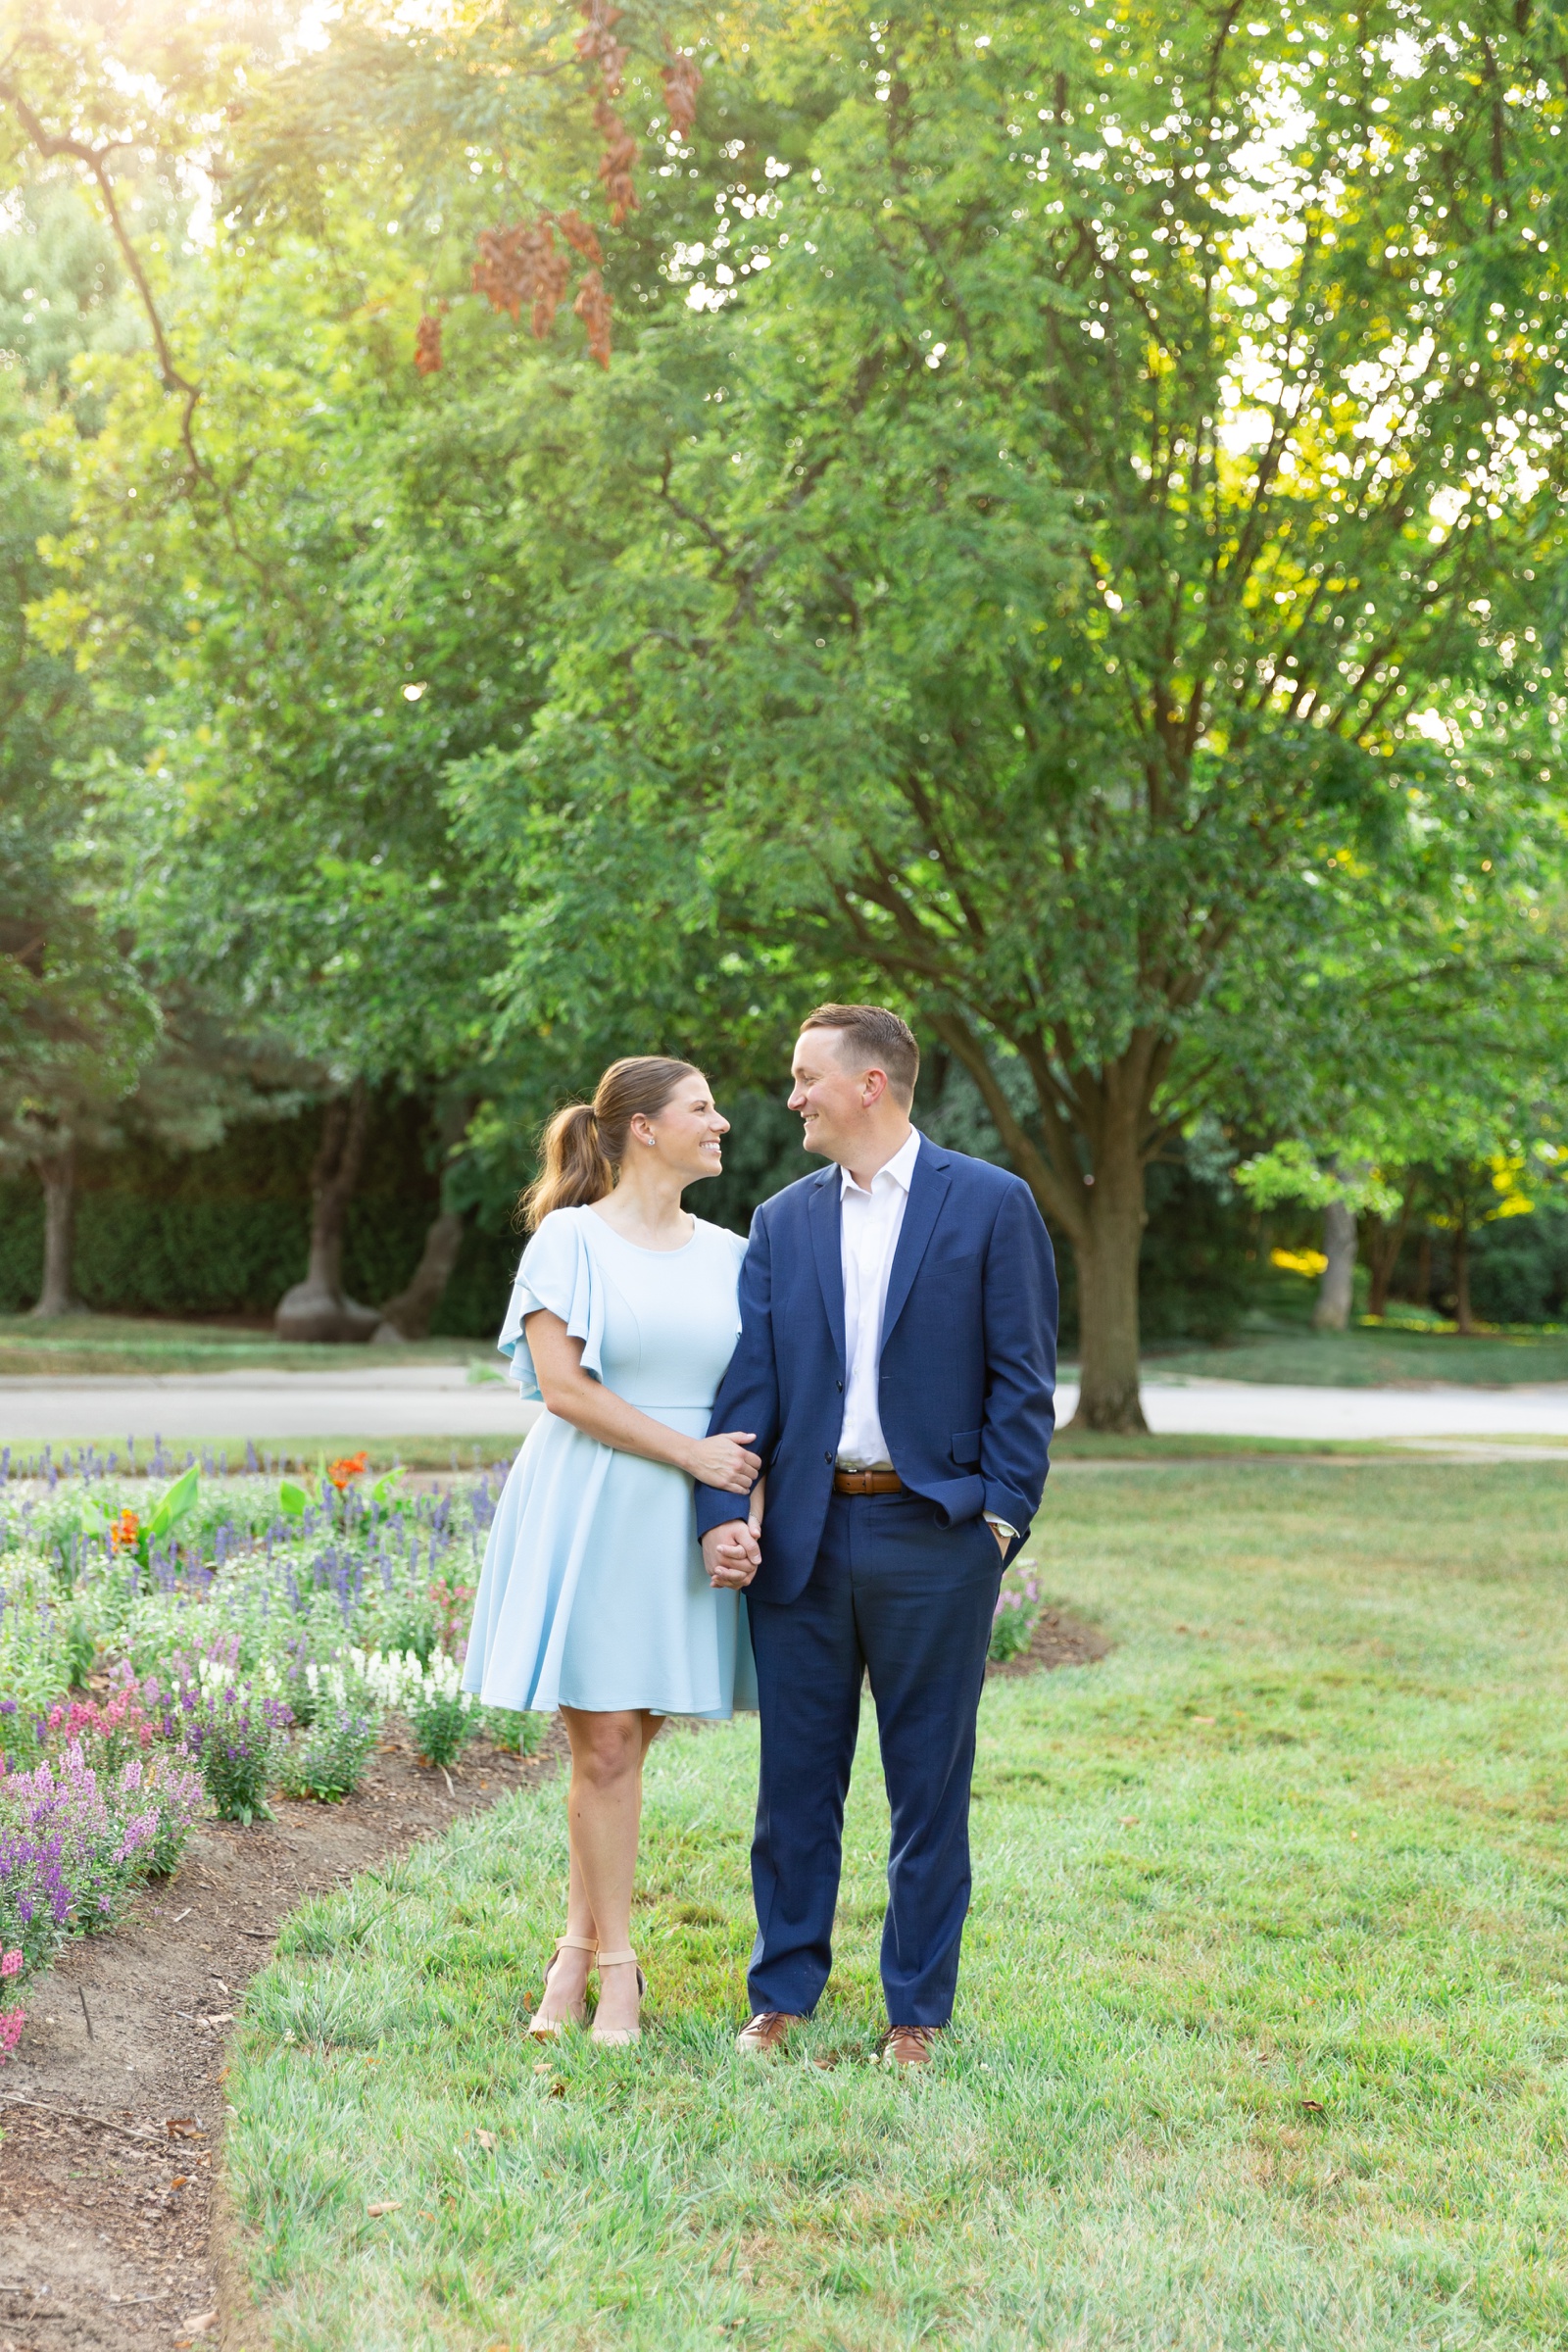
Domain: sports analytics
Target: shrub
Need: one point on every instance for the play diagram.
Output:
(172, 1792)
(34, 1898)
(1017, 1613)
(108, 1734)
(328, 1760)
(103, 1830)
(35, 1667)
(519, 1735)
(232, 1727)
(441, 1714)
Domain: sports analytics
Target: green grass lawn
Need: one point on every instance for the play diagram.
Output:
(1370, 1357)
(1262, 2037)
(123, 1345)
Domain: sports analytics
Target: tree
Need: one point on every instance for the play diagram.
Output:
(1094, 443)
(326, 617)
(77, 1021)
(1049, 477)
(1422, 1028)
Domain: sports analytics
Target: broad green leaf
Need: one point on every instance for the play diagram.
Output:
(173, 1505)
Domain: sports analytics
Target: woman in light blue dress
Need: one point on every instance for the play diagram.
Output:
(594, 1597)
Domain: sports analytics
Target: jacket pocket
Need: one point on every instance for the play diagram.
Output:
(966, 1447)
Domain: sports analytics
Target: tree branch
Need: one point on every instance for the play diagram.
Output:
(50, 144)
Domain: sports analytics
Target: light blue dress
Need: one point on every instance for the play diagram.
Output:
(593, 1593)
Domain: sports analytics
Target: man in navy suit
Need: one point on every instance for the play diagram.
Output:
(896, 1363)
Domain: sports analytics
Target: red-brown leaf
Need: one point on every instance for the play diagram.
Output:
(549, 286)
(615, 165)
(519, 264)
(682, 80)
(593, 308)
(579, 233)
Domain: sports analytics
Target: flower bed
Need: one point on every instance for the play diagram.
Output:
(231, 1635)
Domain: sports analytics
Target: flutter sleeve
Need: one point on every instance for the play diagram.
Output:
(557, 1273)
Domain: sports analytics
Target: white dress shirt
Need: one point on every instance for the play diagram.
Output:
(871, 1220)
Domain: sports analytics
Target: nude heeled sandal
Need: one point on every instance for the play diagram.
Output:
(546, 2029)
(617, 2034)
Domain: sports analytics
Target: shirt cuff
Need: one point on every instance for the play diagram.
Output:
(1001, 1526)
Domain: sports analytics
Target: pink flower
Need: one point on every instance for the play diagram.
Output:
(9, 1964)
(12, 2022)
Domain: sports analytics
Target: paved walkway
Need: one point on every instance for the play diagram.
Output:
(373, 1400)
(1244, 1408)
(439, 1400)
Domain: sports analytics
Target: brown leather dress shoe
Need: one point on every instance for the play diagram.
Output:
(769, 2030)
(907, 2045)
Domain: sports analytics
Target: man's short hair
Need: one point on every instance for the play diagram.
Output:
(879, 1037)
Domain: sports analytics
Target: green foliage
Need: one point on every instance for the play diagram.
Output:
(175, 1504)
(204, 1257)
(442, 1718)
(521, 1734)
(76, 1019)
(1289, 1172)
(328, 1759)
(36, 1659)
(1069, 541)
(225, 1230)
(1519, 1268)
(1018, 1608)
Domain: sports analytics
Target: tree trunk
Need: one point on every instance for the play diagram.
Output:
(1102, 1212)
(408, 1316)
(1333, 1309)
(1423, 1271)
(318, 1307)
(1463, 1316)
(1385, 1244)
(1106, 1259)
(58, 1176)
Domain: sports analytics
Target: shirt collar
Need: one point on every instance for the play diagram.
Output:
(901, 1167)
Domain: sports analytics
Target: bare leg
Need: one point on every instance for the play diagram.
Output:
(603, 1809)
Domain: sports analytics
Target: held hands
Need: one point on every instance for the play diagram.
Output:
(725, 1462)
(732, 1554)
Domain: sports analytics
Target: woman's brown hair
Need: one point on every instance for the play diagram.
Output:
(585, 1143)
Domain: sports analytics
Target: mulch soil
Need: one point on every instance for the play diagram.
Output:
(111, 2108)
(1059, 1639)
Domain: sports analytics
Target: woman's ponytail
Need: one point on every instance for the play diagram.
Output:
(584, 1145)
(576, 1168)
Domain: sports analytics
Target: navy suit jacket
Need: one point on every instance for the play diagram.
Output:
(969, 1364)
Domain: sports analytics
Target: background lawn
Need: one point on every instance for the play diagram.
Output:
(1261, 2037)
(122, 1344)
(1366, 1357)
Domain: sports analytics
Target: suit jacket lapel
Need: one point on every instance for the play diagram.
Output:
(928, 1188)
(825, 1210)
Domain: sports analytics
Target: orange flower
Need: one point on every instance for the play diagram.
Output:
(349, 1467)
(123, 1532)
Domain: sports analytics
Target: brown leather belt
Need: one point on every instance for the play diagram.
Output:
(868, 1482)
